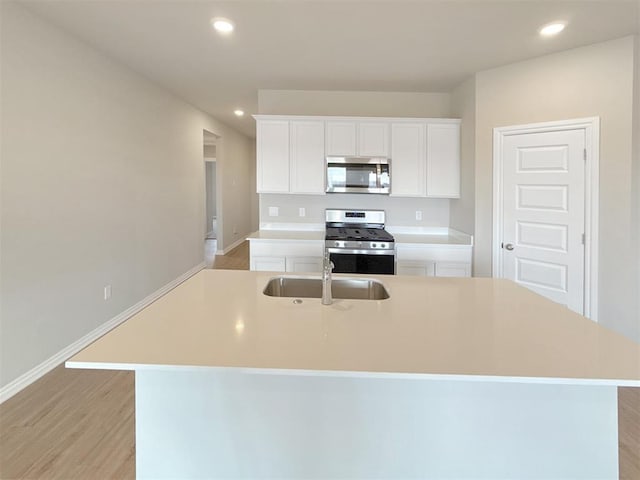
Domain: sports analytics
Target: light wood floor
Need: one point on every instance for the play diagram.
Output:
(236, 259)
(79, 424)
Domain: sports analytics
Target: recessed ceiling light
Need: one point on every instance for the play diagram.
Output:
(552, 29)
(238, 112)
(222, 25)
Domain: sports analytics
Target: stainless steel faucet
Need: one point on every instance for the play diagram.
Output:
(327, 267)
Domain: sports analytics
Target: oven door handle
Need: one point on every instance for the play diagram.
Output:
(354, 251)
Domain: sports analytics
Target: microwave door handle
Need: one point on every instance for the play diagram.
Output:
(378, 173)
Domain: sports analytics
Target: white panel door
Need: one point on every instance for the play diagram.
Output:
(543, 214)
(373, 139)
(273, 156)
(408, 159)
(307, 157)
(341, 138)
(443, 160)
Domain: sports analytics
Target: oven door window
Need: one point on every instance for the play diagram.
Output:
(362, 263)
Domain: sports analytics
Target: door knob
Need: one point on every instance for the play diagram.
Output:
(509, 246)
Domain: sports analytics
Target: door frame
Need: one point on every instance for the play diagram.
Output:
(219, 142)
(591, 127)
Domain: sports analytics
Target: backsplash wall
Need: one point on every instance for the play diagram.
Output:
(400, 211)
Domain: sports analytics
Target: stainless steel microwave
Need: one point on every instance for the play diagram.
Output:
(358, 175)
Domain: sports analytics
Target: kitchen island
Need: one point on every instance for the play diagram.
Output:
(448, 378)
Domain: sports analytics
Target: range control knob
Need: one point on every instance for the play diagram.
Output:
(374, 245)
(337, 244)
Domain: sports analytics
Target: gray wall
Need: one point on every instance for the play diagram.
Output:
(374, 104)
(636, 168)
(463, 106)
(102, 183)
(591, 81)
(400, 211)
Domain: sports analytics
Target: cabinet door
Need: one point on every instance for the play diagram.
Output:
(304, 264)
(408, 159)
(307, 157)
(268, 264)
(272, 156)
(341, 138)
(451, 269)
(419, 269)
(443, 160)
(373, 139)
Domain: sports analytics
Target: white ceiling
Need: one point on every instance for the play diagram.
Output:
(402, 46)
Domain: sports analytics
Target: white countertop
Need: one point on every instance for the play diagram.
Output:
(435, 236)
(445, 328)
(281, 235)
(432, 239)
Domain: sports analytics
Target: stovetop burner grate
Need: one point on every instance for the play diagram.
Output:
(357, 233)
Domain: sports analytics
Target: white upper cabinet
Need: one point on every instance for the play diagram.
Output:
(272, 152)
(355, 138)
(341, 138)
(373, 139)
(424, 152)
(408, 159)
(443, 160)
(307, 157)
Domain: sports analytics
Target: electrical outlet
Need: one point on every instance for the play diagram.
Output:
(302, 212)
(418, 214)
(107, 292)
(273, 211)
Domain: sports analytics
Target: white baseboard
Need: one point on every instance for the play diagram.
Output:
(231, 247)
(52, 362)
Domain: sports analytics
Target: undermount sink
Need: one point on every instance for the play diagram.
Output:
(341, 288)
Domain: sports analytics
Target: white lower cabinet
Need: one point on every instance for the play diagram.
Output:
(418, 269)
(286, 256)
(268, 264)
(433, 260)
(451, 269)
(303, 264)
(306, 256)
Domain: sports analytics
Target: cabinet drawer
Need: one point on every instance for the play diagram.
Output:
(452, 269)
(264, 248)
(417, 252)
(268, 264)
(304, 264)
(417, 269)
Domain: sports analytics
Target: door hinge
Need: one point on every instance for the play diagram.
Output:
(584, 154)
(583, 238)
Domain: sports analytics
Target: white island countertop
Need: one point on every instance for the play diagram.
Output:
(457, 328)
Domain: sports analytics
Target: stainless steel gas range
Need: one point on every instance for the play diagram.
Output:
(358, 243)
